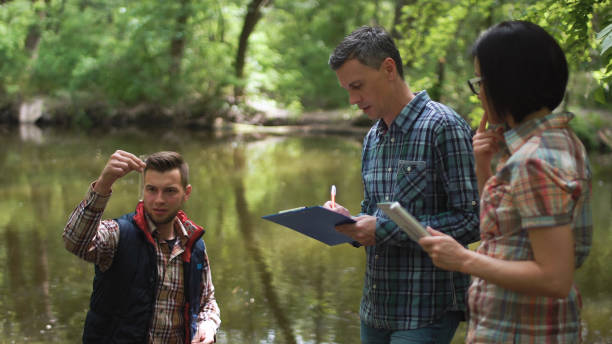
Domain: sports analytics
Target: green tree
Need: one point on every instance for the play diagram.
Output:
(435, 39)
(251, 18)
(97, 60)
(604, 74)
(290, 59)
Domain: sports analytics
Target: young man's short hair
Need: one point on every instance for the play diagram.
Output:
(167, 161)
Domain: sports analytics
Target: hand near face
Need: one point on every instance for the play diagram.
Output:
(119, 164)
(486, 143)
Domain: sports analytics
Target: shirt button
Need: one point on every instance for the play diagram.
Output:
(389, 169)
(408, 168)
(392, 139)
(386, 198)
(473, 202)
(376, 257)
(374, 286)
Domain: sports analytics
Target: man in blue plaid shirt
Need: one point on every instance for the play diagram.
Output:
(419, 153)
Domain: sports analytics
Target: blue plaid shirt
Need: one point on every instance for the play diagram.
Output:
(424, 160)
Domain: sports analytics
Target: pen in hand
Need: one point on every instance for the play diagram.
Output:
(333, 196)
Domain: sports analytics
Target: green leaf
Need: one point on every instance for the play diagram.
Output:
(606, 44)
(605, 32)
(599, 95)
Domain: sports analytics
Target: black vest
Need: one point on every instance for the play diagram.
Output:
(123, 297)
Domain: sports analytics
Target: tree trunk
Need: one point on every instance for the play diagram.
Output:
(219, 35)
(398, 24)
(32, 42)
(436, 90)
(250, 20)
(375, 20)
(491, 13)
(397, 17)
(177, 45)
(55, 27)
(35, 33)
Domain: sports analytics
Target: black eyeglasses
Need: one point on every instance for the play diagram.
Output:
(474, 84)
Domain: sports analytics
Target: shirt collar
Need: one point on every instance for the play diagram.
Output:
(179, 229)
(520, 134)
(404, 120)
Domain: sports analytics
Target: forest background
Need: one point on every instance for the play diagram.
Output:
(86, 63)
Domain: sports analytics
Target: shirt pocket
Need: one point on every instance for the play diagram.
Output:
(410, 183)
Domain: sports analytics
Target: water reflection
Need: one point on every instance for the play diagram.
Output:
(31, 132)
(245, 224)
(273, 285)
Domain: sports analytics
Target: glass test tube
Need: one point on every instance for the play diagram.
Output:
(141, 180)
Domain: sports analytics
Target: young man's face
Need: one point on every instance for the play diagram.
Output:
(368, 88)
(164, 195)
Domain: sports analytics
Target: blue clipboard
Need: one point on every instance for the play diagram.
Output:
(316, 222)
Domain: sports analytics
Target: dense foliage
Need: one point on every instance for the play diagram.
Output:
(197, 59)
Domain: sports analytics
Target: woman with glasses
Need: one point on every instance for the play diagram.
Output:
(535, 210)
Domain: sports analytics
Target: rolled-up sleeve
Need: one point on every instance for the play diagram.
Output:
(544, 196)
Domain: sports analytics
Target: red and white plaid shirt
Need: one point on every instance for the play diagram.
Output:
(96, 241)
(545, 182)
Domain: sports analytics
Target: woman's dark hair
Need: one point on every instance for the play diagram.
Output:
(522, 67)
(370, 46)
(167, 161)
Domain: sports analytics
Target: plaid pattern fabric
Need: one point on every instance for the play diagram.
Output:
(167, 324)
(89, 238)
(424, 160)
(95, 241)
(545, 182)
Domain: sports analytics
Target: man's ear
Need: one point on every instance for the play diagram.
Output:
(388, 66)
(187, 191)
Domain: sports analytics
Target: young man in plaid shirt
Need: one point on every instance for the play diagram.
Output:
(153, 282)
(418, 153)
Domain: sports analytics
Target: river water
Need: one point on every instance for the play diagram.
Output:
(273, 285)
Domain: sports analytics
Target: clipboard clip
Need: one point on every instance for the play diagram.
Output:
(289, 210)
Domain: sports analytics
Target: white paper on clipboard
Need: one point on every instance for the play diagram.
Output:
(404, 220)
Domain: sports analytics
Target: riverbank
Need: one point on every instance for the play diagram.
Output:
(252, 117)
(593, 126)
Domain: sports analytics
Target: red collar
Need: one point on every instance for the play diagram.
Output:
(193, 230)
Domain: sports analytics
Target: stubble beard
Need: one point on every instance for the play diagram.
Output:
(163, 221)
